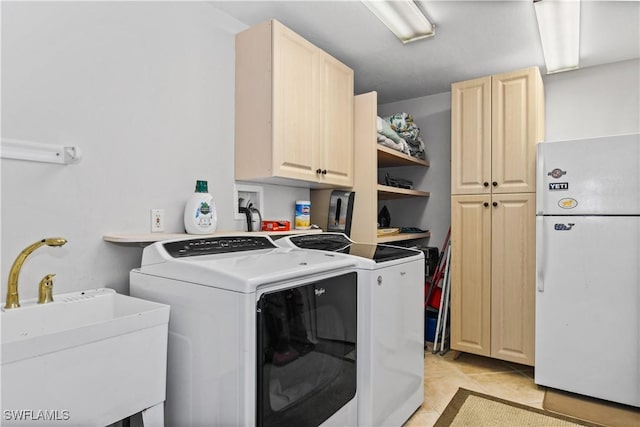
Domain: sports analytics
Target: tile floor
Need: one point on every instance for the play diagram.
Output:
(443, 375)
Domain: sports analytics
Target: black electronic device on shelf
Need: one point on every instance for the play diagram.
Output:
(398, 182)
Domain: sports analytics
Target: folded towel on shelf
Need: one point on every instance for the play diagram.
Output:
(401, 146)
(416, 148)
(403, 125)
(384, 128)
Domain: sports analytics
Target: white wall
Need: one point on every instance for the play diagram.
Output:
(146, 90)
(595, 101)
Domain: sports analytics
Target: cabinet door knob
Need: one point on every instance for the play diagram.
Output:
(324, 171)
(494, 204)
(318, 171)
(495, 184)
(486, 204)
(486, 184)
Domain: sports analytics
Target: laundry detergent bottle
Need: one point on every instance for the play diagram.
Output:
(200, 212)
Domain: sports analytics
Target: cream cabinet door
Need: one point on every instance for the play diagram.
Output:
(513, 277)
(471, 136)
(294, 109)
(295, 102)
(334, 115)
(516, 128)
(471, 274)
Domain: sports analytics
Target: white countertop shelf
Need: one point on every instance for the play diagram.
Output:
(148, 238)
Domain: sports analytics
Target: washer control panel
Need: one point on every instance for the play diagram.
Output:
(217, 245)
(326, 242)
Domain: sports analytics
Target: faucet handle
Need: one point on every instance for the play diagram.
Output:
(45, 290)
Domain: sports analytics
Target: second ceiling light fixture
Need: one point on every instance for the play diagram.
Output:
(403, 17)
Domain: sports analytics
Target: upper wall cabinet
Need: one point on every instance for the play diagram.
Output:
(496, 122)
(293, 110)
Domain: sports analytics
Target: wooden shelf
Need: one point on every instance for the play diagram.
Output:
(388, 157)
(370, 159)
(148, 238)
(385, 193)
(403, 236)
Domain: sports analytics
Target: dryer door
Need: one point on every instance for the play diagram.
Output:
(306, 352)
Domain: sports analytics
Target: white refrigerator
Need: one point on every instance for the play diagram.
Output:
(588, 267)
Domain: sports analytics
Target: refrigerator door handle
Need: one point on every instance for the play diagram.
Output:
(539, 177)
(540, 253)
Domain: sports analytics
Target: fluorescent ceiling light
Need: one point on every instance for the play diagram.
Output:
(559, 25)
(403, 17)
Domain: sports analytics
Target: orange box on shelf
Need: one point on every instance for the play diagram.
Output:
(276, 225)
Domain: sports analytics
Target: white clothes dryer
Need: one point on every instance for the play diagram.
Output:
(258, 335)
(390, 328)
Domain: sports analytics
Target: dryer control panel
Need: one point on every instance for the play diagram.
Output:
(217, 245)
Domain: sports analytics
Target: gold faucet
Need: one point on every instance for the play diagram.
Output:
(45, 290)
(13, 301)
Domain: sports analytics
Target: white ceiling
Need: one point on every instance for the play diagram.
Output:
(473, 39)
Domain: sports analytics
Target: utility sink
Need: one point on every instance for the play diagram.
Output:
(89, 358)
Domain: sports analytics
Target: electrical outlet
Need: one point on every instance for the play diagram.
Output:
(157, 220)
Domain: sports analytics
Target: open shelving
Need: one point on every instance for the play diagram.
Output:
(370, 157)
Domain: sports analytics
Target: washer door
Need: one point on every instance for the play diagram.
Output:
(306, 352)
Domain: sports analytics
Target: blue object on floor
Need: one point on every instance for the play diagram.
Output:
(430, 321)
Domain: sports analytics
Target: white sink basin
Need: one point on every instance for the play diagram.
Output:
(89, 358)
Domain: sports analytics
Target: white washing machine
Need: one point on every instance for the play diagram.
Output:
(258, 335)
(391, 325)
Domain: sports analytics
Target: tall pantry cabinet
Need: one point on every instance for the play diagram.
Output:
(496, 122)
